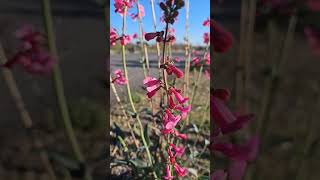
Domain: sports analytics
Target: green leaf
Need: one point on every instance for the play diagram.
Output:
(146, 134)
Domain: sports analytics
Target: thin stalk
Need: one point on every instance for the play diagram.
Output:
(187, 52)
(249, 50)
(114, 90)
(124, 62)
(58, 83)
(196, 84)
(272, 84)
(242, 50)
(155, 29)
(25, 116)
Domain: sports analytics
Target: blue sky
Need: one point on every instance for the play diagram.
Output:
(199, 11)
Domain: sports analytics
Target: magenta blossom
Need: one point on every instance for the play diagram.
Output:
(184, 110)
(179, 151)
(178, 95)
(152, 35)
(222, 39)
(168, 173)
(224, 118)
(31, 55)
(113, 36)
(196, 61)
(125, 39)
(313, 38)
(170, 121)
(119, 77)
(173, 69)
(181, 172)
(120, 6)
(136, 16)
(206, 23)
(135, 36)
(207, 59)
(177, 59)
(152, 85)
(206, 38)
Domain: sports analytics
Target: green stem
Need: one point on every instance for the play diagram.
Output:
(58, 83)
(187, 52)
(124, 62)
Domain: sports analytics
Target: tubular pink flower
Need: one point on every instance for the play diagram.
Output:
(206, 38)
(136, 16)
(152, 85)
(181, 136)
(206, 23)
(223, 117)
(125, 39)
(207, 59)
(179, 151)
(196, 61)
(113, 36)
(121, 4)
(173, 69)
(177, 59)
(135, 36)
(153, 92)
(184, 110)
(120, 78)
(222, 39)
(181, 172)
(178, 96)
(168, 173)
(170, 121)
(152, 35)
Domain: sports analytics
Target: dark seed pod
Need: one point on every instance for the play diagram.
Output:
(163, 6)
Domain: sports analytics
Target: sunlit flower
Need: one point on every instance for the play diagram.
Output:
(119, 77)
(179, 151)
(136, 16)
(120, 6)
(178, 95)
(181, 172)
(168, 173)
(173, 69)
(206, 23)
(184, 110)
(206, 38)
(113, 36)
(152, 85)
(125, 39)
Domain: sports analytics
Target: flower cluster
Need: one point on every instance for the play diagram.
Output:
(124, 39)
(119, 77)
(31, 55)
(226, 123)
(170, 9)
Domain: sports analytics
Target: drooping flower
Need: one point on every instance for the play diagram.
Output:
(206, 23)
(120, 6)
(313, 38)
(222, 39)
(207, 59)
(170, 121)
(31, 55)
(180, 135)
(184, 110)
(119, 77)
(152, 85)
(179, 151)
(181, 172)
(113, 36)
(152, 35)
(168, 173)
(125, 39)
(178, 95)
(223, 117)
(141, 11)
(314, 5)
(173, 69)
(196, 61)
(206, 38)
(218, 175)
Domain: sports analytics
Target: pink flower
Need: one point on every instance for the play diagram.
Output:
(196, 61)
(179, 151)
(218, 175)
(32, 57)
(177, 59)
(125, 39)
(222, 39)
(224, 118)
(245, 152)
(120, 5)
(178, 96)
(181, 172)
(314, 5)
(170, 121)
(206, 38)
(168, 173)
(184, 110)
(181, 136)
(152, 85)
(173, 69)
(119, 77)
(113, 36)
(206, 23)
(152, 35)
(313, 38)
(142, 13)
(135, 36)
(207, 59)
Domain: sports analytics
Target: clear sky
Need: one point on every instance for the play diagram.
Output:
(199, 11)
